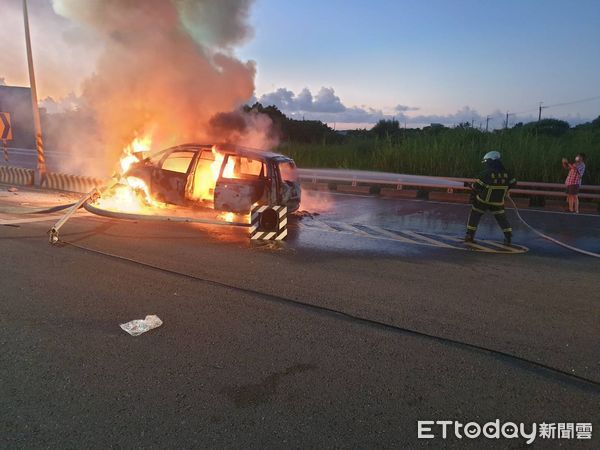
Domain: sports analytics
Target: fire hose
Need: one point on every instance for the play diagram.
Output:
(549, 238)
(53, 232)
(85, 202)
(158, 218)
(44, 210)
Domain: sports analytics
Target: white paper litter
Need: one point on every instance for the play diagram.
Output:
(139, 326)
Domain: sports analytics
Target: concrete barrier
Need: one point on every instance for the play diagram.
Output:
(82, 184)
(316, 186)
(561, 205)
(348, 188)
(589, 207)
(451, 197)
(520, 202)
(16, 175)
(72, 183)
(399, 193)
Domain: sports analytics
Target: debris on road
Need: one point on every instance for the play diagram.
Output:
(301, 214)
(269, 245)
(12, 189)
(139, 326)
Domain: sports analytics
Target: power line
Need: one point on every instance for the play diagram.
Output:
(574, 102)
(537, 108)
(583, 100)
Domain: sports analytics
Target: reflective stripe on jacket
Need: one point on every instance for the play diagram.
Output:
(493, 184)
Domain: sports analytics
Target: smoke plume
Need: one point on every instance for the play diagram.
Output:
(167, 68)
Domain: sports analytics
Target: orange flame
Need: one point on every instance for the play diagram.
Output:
(132, 195)
(138, 145)
(206, 175)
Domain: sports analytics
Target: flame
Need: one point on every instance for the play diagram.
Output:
(124, 197)
(234, 217)
(228, 171)
(138, 145)
(138, 185)
(207, 173)
(216, 165)
(132, 194)
(227, 217)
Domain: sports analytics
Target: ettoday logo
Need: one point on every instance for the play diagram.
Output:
(430, 429)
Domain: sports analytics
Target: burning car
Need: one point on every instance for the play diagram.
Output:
(224, 177)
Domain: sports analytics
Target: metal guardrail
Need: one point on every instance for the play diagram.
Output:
(450, 184)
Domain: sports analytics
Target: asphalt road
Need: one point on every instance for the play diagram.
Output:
(252, 353)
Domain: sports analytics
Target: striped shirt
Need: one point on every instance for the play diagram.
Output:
(576, 171)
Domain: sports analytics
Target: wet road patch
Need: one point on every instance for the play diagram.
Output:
(413, 237)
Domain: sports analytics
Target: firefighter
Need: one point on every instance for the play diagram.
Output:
(488, 194)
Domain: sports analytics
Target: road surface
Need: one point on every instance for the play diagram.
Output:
(368, 319)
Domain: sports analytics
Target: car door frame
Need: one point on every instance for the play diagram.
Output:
(224, 183)
(162, 179)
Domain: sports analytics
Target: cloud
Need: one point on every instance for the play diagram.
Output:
(327, 102)
(465, 114)
(403, 108)
(327, 107)
(324, 102)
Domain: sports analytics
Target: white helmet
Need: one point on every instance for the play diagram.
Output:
(491, 155)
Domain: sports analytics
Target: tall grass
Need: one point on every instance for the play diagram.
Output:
(456, 153)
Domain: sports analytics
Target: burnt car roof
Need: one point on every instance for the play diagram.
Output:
(231, 149)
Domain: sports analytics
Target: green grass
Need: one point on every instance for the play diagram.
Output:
(456, 153)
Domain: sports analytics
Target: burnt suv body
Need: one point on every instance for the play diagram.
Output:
(225, 177)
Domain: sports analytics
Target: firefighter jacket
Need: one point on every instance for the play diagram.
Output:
(493, 183)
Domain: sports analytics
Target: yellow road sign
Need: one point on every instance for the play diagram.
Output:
(5, 127)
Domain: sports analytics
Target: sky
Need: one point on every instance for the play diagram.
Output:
(353, 62)
(451, 58)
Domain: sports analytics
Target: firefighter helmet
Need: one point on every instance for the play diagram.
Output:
(493, 155)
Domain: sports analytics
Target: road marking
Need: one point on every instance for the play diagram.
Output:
(498, 245)
(415, 238)
(427, 239)
(472, 245)
(382, 232)
(349, 228)
(317, 224)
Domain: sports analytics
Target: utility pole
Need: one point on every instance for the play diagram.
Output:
(540, 111)
(487, 122)
(39, 143)
(506, 122)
